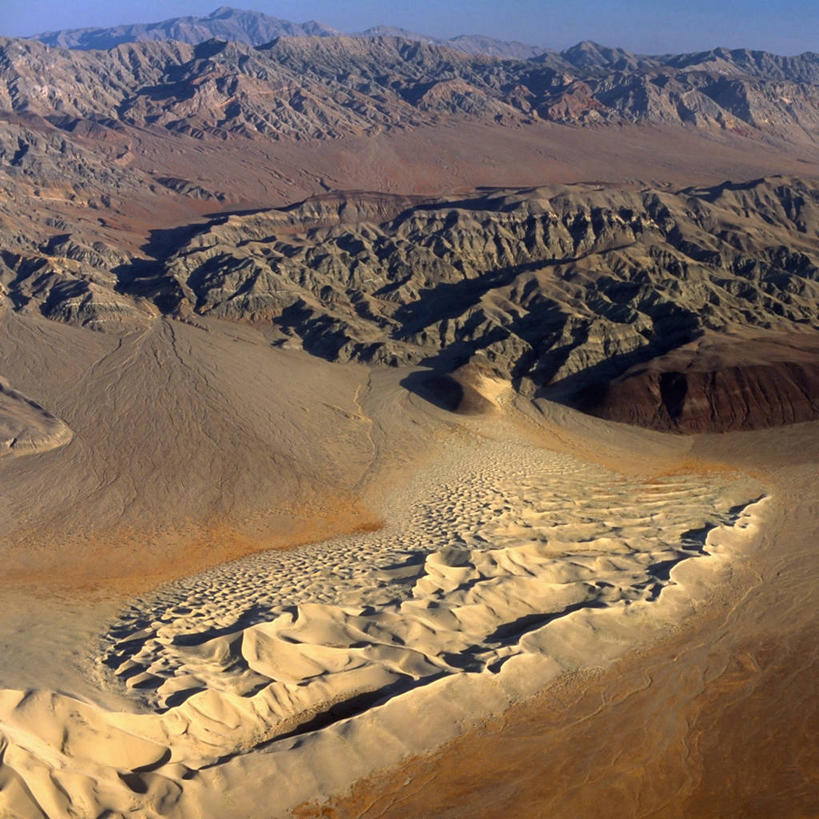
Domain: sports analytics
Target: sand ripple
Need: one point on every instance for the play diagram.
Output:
(483, 554)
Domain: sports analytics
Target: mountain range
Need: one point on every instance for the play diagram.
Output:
(327, 87)
(391, 256)
(256, 28)
(556, 290)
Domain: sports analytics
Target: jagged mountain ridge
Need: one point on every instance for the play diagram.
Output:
(328, 87)
(256, 28)
(468, 43)
(224, 23)
(559, 291)
(555, 290)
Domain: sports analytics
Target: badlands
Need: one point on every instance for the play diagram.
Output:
(404, 427)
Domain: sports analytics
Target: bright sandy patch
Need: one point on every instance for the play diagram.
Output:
(502, 565)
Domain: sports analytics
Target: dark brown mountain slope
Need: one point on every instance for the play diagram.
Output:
(715, 384)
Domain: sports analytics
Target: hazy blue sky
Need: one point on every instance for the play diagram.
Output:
(648, 26)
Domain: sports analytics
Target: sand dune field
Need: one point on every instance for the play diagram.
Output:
(506, 549)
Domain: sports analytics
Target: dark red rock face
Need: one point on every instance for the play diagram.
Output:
(752, 396)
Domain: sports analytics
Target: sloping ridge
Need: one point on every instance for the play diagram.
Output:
(579, 294)
(25, 427)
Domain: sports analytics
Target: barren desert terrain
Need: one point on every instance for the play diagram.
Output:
(400, 426)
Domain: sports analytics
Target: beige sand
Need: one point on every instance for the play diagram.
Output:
(503, 565)
(717, 719)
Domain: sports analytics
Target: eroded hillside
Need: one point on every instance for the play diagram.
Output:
(564, 292)
(329, 87)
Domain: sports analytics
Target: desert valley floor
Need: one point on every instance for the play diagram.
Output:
(399, 427)
(509, 548)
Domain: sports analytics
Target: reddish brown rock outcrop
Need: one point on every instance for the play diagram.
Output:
(750, 385)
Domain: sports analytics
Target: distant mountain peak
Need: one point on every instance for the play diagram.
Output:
(256, 28)
(224, 23)
(590, 47)
(586, 45)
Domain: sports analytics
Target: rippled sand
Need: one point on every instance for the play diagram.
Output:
(501, 565)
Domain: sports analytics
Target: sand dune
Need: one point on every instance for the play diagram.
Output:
(492, 575)
(519, 537)
(717, 718)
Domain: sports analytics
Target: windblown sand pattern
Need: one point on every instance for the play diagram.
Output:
(496, 549)
(483, 554)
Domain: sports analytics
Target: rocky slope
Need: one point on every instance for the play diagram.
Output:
(55, 261)
(328, 87)
(561, 291)
(578, 294)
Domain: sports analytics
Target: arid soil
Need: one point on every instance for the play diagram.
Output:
(391, 429)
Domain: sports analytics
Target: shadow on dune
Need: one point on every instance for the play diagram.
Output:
(438, 388)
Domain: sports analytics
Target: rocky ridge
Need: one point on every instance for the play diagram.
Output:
(564, 292)
(329, 87)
